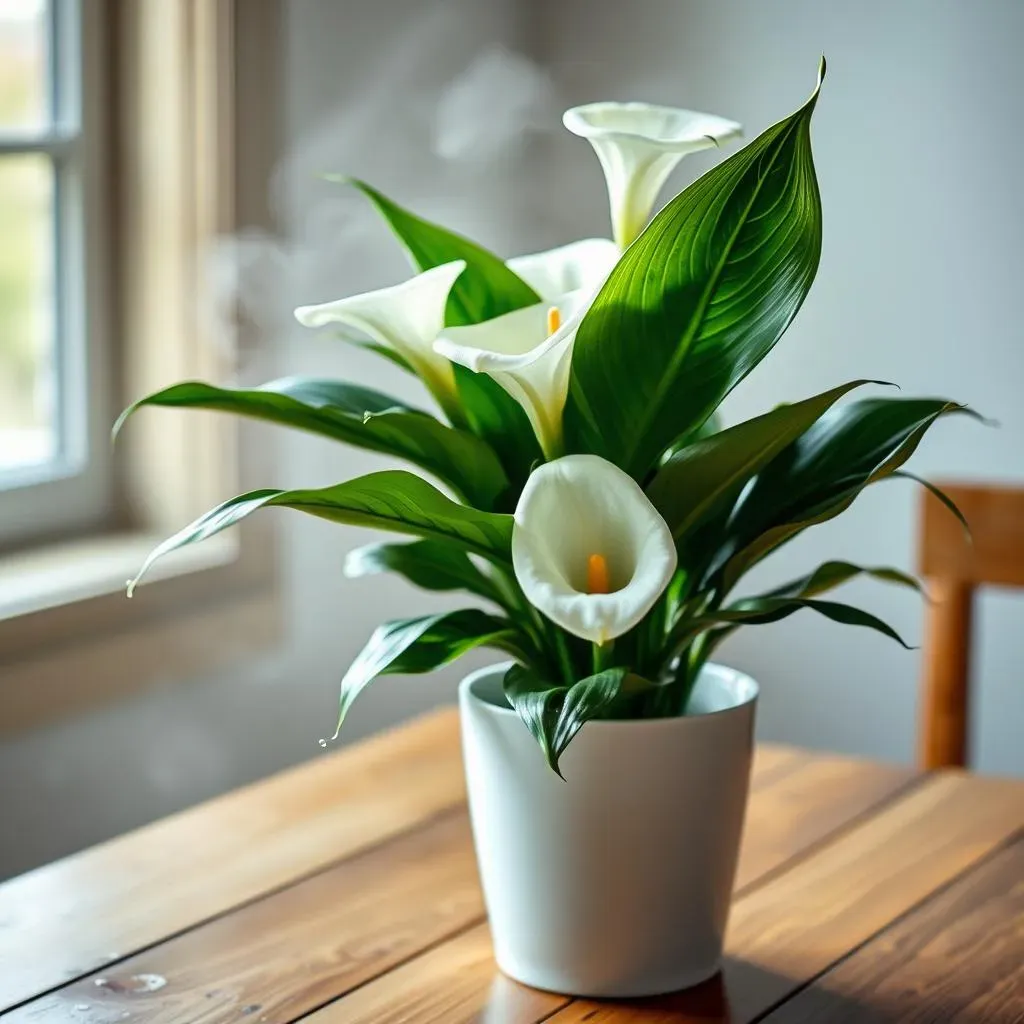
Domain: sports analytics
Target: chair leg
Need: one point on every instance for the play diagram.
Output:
(942, 741)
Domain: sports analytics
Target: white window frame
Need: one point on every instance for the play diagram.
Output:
(74, 493)
(194, 100)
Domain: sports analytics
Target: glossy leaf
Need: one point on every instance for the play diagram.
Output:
(389, 500)
(706, 477)
(555, 714)
(485, 289)
(494, 415)
(822, 472)
(430, 564)
(762, 610)
(414, 646)
(697, 300)
(358, 416)
(830, 575)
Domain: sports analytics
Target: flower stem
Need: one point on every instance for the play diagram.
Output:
(602, 654)
(564, 658)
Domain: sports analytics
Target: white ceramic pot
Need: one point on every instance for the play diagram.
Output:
(617, 881)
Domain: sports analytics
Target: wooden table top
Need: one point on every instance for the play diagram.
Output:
(345, 891)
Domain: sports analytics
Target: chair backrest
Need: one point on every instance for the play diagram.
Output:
(954, 565)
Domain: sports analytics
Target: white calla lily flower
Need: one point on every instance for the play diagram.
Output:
(638, 145)
(588, 547)
(579, 265)
(406, 318)
(528, 352)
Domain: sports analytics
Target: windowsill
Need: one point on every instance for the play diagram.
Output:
(71, 641)
(72, 571)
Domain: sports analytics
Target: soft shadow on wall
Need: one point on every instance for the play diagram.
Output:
(918, 282)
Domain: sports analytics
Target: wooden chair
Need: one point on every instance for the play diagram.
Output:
(953, 566)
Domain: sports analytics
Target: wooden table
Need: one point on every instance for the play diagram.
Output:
(345, 891)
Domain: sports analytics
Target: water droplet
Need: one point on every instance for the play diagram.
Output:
(81, 1007)
(322, 742)
(100, 982)
(148, 982)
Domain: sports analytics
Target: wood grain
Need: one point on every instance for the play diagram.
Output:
(282, 957)
(786, 932)
(311, 942)
(456, 983)
(954, 564)
(959, 957)
(81, 913)
(803, 801)
(944, 718)
(993, 554)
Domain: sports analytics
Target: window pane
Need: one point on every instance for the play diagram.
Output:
(23, 65)
(28, 423)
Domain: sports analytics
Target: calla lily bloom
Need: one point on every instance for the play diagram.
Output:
(588, 547)
(405, 318)
(638, 145)
(528, 352)
(569, 268)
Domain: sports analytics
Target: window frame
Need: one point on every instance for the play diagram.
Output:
(75, 492)
(197, 96)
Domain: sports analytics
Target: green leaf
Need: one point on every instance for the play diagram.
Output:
(830, 575)
(943, 498)
(357, 416)
(822, 473)
(705, 478)
(762, 610)
(499, 419)
(555, 714)
(485, 289)
(430, 564)
(537, 703)
(390, 500)
(698, 299)
(414, 646)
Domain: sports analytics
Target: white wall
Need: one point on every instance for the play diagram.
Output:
(364, 84)
(918, 155)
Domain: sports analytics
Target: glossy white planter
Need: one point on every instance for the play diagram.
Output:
(617, 881)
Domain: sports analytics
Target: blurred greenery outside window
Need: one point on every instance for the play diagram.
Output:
(50, 458)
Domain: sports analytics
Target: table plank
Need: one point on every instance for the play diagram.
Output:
(293, 950)
(959, 957)
(785, 933)
(78, 914)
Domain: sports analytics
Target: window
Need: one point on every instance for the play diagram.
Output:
(54, 461)
(133, 136)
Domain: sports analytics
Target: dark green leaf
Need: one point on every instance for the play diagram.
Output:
(537, 703)
(941, 495)
(413, 646)
(499, 419)
(430, 564)
(830, 575)
(555, 714)
(485, 289)
(705, 478)
(697, 300)
(390, 500)
(822, 472)
(357, 416)
(762, 610)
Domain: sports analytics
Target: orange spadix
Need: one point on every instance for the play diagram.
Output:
(597, 575)
(554, 320)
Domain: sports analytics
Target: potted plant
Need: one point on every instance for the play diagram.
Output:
(592, 504)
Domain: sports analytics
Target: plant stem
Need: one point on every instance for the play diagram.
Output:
(602, 655)
(564, 658)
